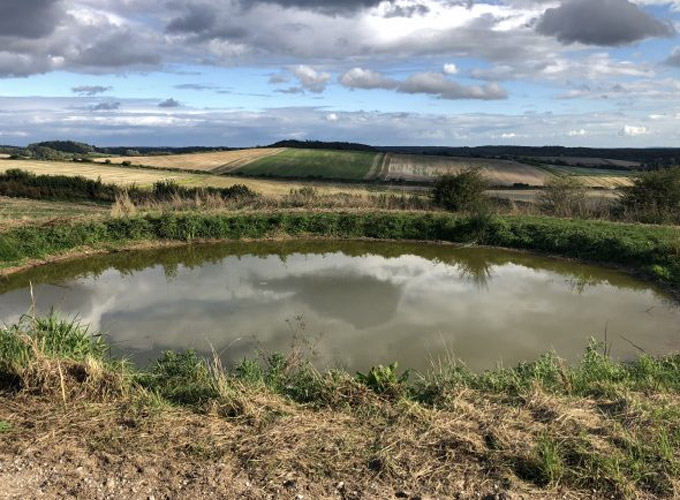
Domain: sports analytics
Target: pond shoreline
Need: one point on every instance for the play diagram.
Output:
(670, 282)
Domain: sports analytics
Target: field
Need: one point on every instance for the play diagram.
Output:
(595, 177)
(17, 211)
(126, 176)
(219, 162)
(425, 168)
(591, 162)
(314, 163)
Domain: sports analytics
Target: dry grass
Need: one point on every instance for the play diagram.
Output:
(499, 172)
(217, 162)
(474, 446)
(18, 211)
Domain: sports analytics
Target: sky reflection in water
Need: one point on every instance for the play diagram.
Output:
(358, 304)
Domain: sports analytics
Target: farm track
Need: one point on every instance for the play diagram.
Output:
(385, 167)
(373, 172)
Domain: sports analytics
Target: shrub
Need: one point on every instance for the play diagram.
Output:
(654, 196)
(563, 196)
(463, 191)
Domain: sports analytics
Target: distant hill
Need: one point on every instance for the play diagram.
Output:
(71, 147)
(648, 157)
(338, 146)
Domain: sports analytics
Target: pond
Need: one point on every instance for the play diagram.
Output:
(351, 304)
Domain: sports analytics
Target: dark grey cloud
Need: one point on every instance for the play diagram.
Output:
(674, 58)
(169, 103)
(198, 19)
(437, 85)
(601, 22)
(332, 6)
(106, 106)
(407, 10)
(90, 90)
(119, 50)
(29, 18)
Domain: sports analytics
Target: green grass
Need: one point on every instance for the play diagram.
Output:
(313, 163)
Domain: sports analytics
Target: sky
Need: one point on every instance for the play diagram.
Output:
(600, 73)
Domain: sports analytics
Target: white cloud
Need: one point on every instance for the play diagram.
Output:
(450, 69)
(332, 117)
(311, 80)
(359, 78)
(633, 130)
(577, 133)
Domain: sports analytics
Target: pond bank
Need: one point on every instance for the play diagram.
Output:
(651, 251)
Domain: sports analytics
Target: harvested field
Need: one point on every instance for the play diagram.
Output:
(412, 168)
(314, 163)
(218, 162)
(126, 176)
(17, 211)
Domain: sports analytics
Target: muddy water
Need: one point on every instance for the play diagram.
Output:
(352, 304)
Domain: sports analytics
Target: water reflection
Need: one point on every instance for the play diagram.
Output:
(373, 302)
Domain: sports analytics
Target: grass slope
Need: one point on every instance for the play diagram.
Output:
(312, 163)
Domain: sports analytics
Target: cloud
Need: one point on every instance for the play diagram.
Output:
(436, 84)
(577, 133)
(30, 18)
(199, 18)
(332, 117)
(633, 131)
(601, 22)
(359, 78)
(330, 6)
(169, 103)
(674, 58)
(90, 90)
(450, 69)
(106, 106)
(412, 10)
(195, 86)
(310, 79)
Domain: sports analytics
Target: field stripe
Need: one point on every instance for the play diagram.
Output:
(385, 167)
(372, 173)
(242, 162)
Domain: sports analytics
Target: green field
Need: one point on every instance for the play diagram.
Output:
(313, 163)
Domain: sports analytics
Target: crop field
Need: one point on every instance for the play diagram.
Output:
(219, 162)
(315, 163)
(412, 168)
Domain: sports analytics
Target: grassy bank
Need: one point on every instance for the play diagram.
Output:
(278, 428)
(650, 250)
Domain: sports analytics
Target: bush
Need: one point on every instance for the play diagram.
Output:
(654, 196)
(463, 191)
(563, 196)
